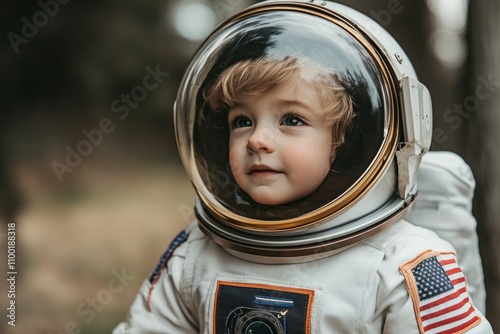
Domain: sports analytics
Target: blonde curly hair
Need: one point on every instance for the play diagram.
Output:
(257, 76)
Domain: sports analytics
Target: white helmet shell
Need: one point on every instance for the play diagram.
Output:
(373, 177)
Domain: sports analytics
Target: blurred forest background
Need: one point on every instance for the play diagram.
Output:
(89, 233)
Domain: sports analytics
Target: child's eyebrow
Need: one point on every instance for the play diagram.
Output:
(234, 107)
(294, 103)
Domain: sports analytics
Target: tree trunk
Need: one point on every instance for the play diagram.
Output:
(481, 104)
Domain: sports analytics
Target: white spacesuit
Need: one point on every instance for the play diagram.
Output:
(358, 254)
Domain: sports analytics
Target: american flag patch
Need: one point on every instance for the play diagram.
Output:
(440, 298)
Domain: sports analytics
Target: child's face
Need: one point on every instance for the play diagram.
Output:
(280, 147)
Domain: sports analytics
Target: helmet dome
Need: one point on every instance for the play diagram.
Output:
(371, 180)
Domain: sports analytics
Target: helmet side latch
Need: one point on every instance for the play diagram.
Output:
(417, 127)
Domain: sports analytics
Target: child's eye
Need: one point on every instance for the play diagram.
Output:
(292, 120)
(241, 122)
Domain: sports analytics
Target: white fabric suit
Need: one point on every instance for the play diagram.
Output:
(360, 290)
(368, 288)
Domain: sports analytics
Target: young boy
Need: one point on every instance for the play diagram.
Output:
(289, 127)
(278, 110)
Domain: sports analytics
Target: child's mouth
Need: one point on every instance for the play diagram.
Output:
(262, 171)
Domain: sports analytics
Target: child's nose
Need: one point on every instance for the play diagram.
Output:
(262, 139)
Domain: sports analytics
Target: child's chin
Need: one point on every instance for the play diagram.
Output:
(268, 199)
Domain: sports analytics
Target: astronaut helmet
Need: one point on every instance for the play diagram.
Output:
(341, 101)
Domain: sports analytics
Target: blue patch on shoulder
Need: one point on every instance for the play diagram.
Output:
(179, 239)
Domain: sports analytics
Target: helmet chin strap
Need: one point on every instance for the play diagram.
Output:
(233, 241)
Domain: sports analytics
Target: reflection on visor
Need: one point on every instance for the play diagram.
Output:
(254, 60)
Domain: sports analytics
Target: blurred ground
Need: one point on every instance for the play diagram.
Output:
(113, 216)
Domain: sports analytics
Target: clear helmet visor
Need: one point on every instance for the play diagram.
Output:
(287, 59)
